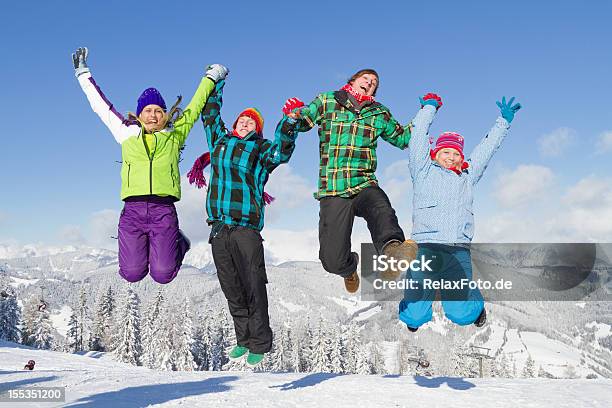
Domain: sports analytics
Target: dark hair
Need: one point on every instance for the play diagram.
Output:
(362, 72)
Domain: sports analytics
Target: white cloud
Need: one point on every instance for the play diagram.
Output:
(523, 185)
(72, 234)
(580, 213)
(285, 245)
(590, 192)
(290, 191)
(604, 144)
(589, 208)
(555, 143)
(396, 182)
(191, 211)
(98, 231)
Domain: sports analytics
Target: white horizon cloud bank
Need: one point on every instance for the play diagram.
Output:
(525, 184)
(574, 213)
(581, 212)
(555, 143)
(100, 231)
(604, 144)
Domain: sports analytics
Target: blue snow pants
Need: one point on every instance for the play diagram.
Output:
(449, 263)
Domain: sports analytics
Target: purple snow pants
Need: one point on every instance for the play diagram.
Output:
(150, 240)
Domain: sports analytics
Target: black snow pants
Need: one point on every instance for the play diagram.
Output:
(239, 257)
(336, 216)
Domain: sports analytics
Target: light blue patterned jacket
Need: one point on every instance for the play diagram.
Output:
(442, 201)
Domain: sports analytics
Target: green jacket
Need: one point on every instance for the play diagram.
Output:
(143, 172)
(347, 141)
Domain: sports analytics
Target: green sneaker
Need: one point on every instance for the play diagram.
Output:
(237, 353)
(254, 359)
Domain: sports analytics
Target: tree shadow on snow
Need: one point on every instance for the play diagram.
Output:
(453, 382)
(154, 393)
(308, 381)
(11, 385)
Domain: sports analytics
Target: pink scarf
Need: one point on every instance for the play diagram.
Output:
(359, 96)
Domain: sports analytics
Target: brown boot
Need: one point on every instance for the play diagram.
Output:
(406, 250)
(352, 283)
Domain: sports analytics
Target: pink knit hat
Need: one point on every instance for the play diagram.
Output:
(448, 140)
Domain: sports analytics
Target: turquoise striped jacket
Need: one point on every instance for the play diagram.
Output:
(240, 167)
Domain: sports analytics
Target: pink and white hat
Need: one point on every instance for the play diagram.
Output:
(448, 140)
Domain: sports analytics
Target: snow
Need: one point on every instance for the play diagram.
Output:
(352, 304)
(553, 355)
(99, 382)
(368, 313)
(291, 307)
(601, 329)
(437, 324)
(19, 281)
(60, 319)
(580, 304)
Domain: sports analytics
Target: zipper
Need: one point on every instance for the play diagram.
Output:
(151, 155)
(128, 175)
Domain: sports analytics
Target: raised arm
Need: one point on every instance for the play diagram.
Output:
(214, 128)
(214, 73)
(307, 116)
(395, 133)
(484, 151)
(418, 152)
(279, 150)
(120, 128)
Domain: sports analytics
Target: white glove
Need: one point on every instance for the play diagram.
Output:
(79, 60)
(216, 72)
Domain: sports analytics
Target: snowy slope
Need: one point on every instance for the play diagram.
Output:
(98, 382)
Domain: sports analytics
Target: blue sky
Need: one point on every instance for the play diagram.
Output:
(59, 162)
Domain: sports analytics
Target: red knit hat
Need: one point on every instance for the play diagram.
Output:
(448, 140)
(253, 114)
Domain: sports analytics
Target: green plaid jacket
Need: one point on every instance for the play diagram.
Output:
(347, 141)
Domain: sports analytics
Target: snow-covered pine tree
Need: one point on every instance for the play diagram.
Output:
(529, 368)
(377, 359)
(223, 338)
(503, 367)
(162, 345)
(319, 346)
(10, 314)
(37, 327)
(278, 360)
(42, 336)
(127, 345)
(463, 364)
(183, 340)
(352, 343)
(73, 339)
(83, 318)
(362, 365)
(295, 360)
(336, 351)
(151, 331)
(100, 338)
(306, 343)
(201, 342)
(30, 309)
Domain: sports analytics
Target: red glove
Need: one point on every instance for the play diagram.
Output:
(291, 104)
(433, 96)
